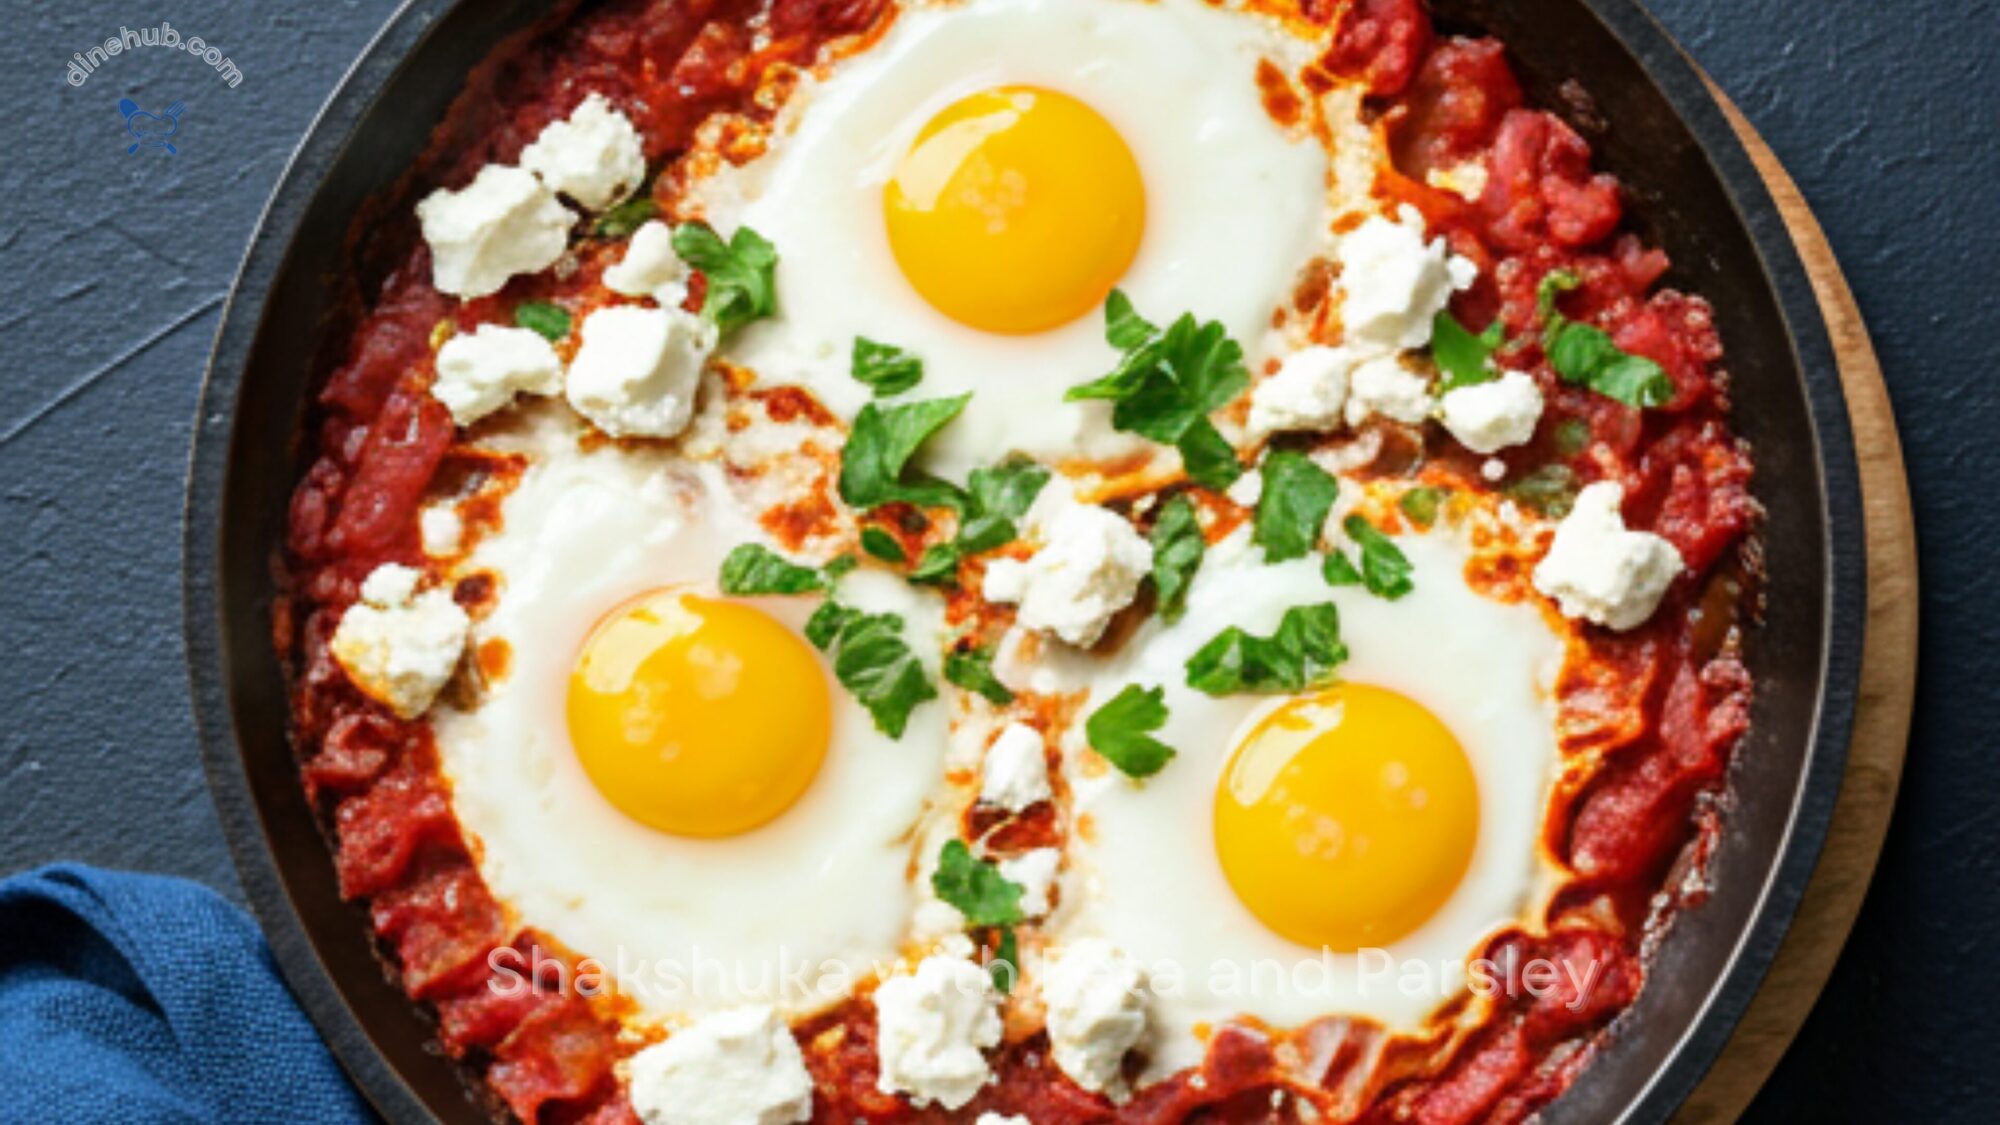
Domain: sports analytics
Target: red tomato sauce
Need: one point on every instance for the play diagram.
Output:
(1660, 708)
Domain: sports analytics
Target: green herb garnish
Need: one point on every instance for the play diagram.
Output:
(882, 545)
(1293, 506)
(873, 662)
(547, 320)
(1301, 654)
(1006, 964)
(1549, 491)
(874, 465)
(994, 498)
(972, 669)
(625, 218)
(1384, 569)
(1585, 355)
(752, 569)
(1121, 731)
(1338, 570)
(1167, 383)
(739, 273)
(1178, 546)
(1421, 504)
(885, 368)
(976, 887)
(1464, 359)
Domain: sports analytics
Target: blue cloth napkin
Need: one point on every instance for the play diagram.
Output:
(139, 998)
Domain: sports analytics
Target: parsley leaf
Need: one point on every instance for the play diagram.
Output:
(1121, 731)
(752, 569)
(873, 662)
(874, 465)
(1007, 489)
(1586, 355)
(1572, 436)
(1178, 546)
(994, 499)
(1463, 358)
(1301, 654)
(976, 887)
(548, 320)
(1384, 569)
(882, 545)
(1167, 383)
(1006, 964)
(1296, 498)
(625, 218)
(938, 566)
(1421, 504)
(885, 368)
(1549, 491)
(1338, 570)
(972, 669)
(739, 273)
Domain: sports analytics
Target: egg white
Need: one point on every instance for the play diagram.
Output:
(1146, 875)
(686, 926)
(1175, 78)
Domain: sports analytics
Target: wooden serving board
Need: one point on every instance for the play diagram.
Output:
(1888, 683)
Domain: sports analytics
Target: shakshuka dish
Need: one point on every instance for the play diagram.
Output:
(1017, 561)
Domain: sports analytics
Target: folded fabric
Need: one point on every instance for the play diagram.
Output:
(139, 998)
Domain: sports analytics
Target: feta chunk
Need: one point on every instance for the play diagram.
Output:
(650, 267)
(1384, 386)
(1035, 871)
(1395, 283)
(1598, 570)
(1095, 1013)
(1488, 417)
(637, 370)
(595, 157)
(481, 371)
(1088, 570)
(400, 647)
(739, 1067)
(1306, 393)
(932, 1029)
(503, 223)
(442, 530)
(1016, 773)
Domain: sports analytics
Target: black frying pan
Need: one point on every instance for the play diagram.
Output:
(1694, 192)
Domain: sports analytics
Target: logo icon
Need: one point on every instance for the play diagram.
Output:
(151, 130)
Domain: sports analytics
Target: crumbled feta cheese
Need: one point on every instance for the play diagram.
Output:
(932, 1028)
(991, 1118)
(1035, 871)
(441, 529)
(935, 919)
(739, 1067)
(398, 646)
(1394, 282)
(1493, 469)
(1089, 569)
(637, 370)
(482, 371)
(1017, 771)
(503, 223)
(1306, 393)
(1488, 417)
(1598, 570)
(595, 157)
(650, 267)
(1384, 386)
(1466, 180)
(1095, 1013)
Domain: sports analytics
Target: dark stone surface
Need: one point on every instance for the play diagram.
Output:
(116, 265)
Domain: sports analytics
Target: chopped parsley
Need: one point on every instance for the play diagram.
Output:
(753, 569)
(548, 320)
(874, 465)
(976, 887)
(1006, 964)
(972, 669)
(622, 220)
(1464, 359)
(1167, 383)
(1585, 355)
(1572, 436)
(1178, 546)
(1338, 570)
(1300, 655)
(1549, 491)
(882, 545)
(739, 273)
(1384, 569)
(873, 662)
(885, 368)
(1421, 504)
(1121, 731)
(995, 497)
(1296, 498)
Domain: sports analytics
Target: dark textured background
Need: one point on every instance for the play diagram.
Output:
(113, 269)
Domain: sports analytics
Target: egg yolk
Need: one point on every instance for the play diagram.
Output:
(1345, 819)
(1015, 210)
(698, 717)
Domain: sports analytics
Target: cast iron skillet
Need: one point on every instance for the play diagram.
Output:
(1695, 193)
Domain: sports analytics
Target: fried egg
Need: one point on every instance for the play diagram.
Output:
(666, 779)
(972, 186)
(1341, 851)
